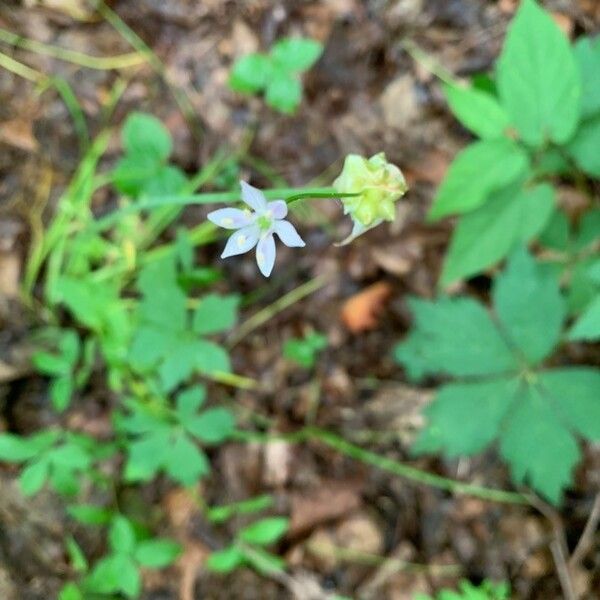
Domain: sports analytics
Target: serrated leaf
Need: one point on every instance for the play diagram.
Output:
(538, 79)
(265, 532)
(584, 147)
(587, 326)
(483, 237)
(121, 536)
(477, 111)
(284, 92)
(537, 445)
(250, 73)
(576, 393)
(587, 55)
(145, 135)
(226, 560)
(528, 302)
(465, 418)
(296, 54)
(456, 337)
(476, 172)
(215, 314)
(185, 463)
(157, 553)
(212, 426)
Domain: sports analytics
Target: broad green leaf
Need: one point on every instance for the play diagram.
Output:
(51, 364)
(538, 79)
(146, 456)
(212, 426)
(215, 314)
(304, 350)
(33, 477)
(265, 532)
(587, 55)
(587, 326)
(76, 556)
(211, 358)
(284, 92)
(189, 401)
(584, 146)
(184, 462)
(477, 111)
(70, 592)
(456, 337)
(296, 53)
(250, 73)
(575, 391)
(145, 135)
(90, 514)
(132, 172)
(528, 302)
(511, 217)
(121, 536)
(556, 235)
(476, 172)
(130, 582)
(225, 561)
(179, 363)
(70, 456)
(105, 576)
(588, 230)
(263, 561)
(537, 445)
(465, 418)
(167, 180)
(64, 480)
(148, 346)
(157, 553)
(14, 448)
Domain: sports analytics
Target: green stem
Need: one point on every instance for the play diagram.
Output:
(390, 465)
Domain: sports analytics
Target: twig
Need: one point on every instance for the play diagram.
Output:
(586, 540)
(562, 569)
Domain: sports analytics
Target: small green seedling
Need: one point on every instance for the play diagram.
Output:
(304, 351)
(277, 74)
(247, 549)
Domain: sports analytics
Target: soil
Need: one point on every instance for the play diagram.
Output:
(367, 94)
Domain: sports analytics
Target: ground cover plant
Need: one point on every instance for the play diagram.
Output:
(144, 333)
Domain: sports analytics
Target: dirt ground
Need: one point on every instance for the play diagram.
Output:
(371, 91)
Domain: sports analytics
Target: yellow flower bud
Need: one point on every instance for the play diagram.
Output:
(378, 183)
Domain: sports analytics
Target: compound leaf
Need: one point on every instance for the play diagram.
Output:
(215, 314)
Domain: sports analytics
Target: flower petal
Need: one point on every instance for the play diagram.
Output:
(278, 209)
(241, 241)
(231, 218)
(253, 197)
(288, 235)
(265, 254)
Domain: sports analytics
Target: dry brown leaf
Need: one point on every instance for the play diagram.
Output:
(361, 311)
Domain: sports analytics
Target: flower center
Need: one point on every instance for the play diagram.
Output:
(264, 222)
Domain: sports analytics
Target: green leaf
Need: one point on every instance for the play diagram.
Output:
(61, 390)
(528, 302)
(130, 581)
(250, 73)
(14, 448)
(50, 364)
(145, 135)
(212, 426)
(465, 418)
(132, 172)
(185, 463)
(296, 54)
(304, 350)
(157, 553)
(70, 456)
(537, 445)
(456, 337)
(576, 391)
(146, 456)
(220, 514)
(265, 532)
(264, 562)
(511, 217)
(584, 147)
(587, 55)
(588, 230)
(538, 79)
(70, 592)
(556, 235)
(33, 477)
(284, 92)
(189, 401)
(105, 576)
(477, 111)
(121, 536)
(477, 171)
(76, 556)
(226, 560)
(89, 514)
(179, 363)
(211, 358)
(587, 327)
(215, 314)
(148, 346)
(166, 180)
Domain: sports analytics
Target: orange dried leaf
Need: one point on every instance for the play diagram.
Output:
(361, 311)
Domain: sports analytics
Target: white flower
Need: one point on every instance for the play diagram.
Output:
(256, 227)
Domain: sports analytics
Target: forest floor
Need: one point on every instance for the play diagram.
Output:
(355, 529)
